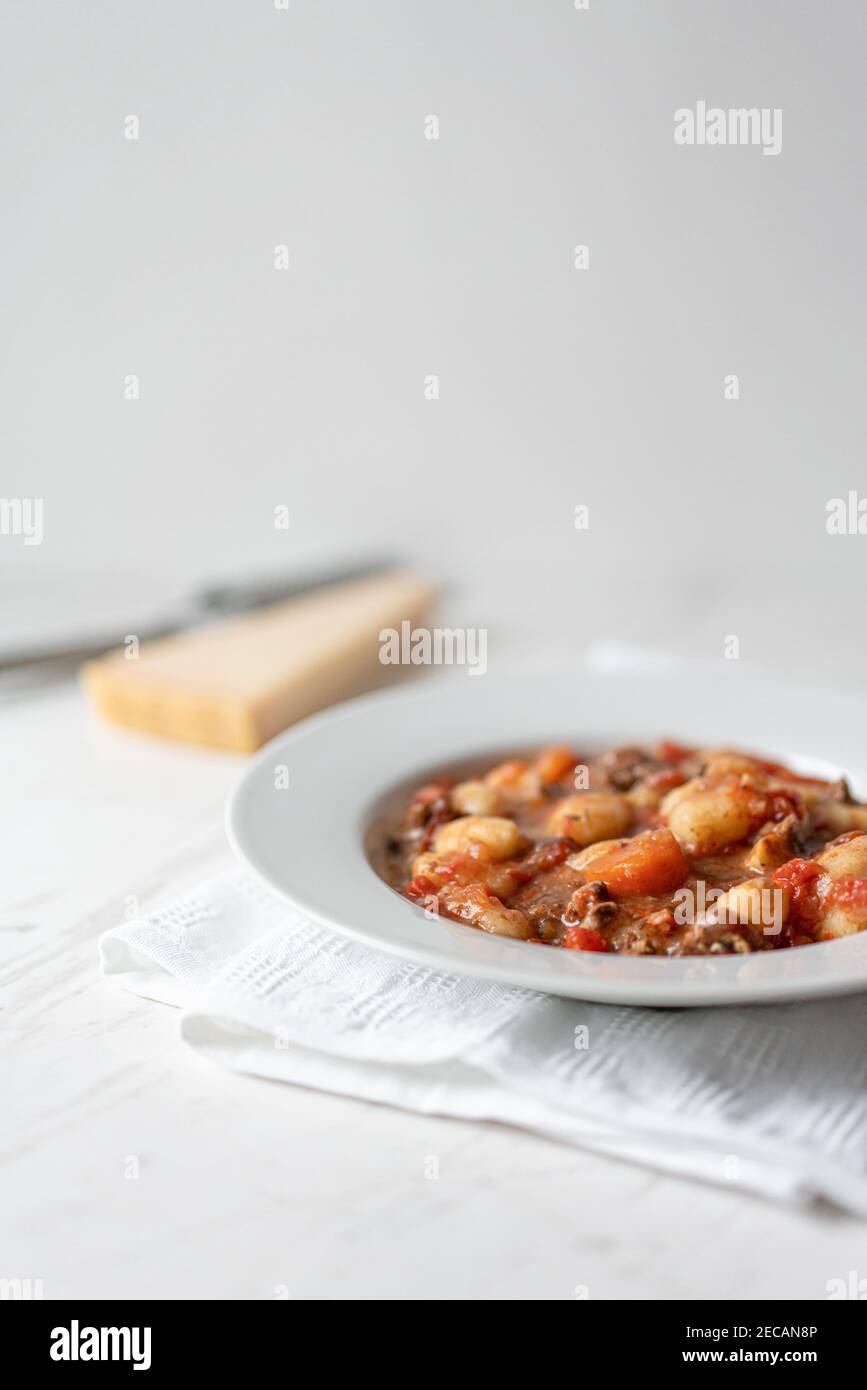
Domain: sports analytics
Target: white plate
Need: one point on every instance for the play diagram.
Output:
(307, 842)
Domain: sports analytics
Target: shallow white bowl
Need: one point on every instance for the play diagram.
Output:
(308, 842)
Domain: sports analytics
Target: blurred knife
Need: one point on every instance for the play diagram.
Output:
(207, 605)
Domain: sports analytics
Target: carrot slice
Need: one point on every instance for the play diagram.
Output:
(651, 863)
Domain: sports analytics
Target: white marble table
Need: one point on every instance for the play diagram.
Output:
(248, 1189)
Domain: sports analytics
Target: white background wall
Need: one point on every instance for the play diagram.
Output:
(454, 257)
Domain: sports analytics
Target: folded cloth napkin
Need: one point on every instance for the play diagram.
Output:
(771, 1099)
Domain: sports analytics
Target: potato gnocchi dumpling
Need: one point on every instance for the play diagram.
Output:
(663, 850)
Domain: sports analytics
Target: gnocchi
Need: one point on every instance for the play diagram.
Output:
(475, 799)
(590, 816)
(710, 820)
(487, 837)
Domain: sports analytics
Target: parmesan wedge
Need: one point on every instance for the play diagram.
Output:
(237, 683)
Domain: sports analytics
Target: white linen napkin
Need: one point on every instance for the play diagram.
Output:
(770, 1099)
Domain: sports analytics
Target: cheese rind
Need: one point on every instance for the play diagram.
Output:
(237, 683)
